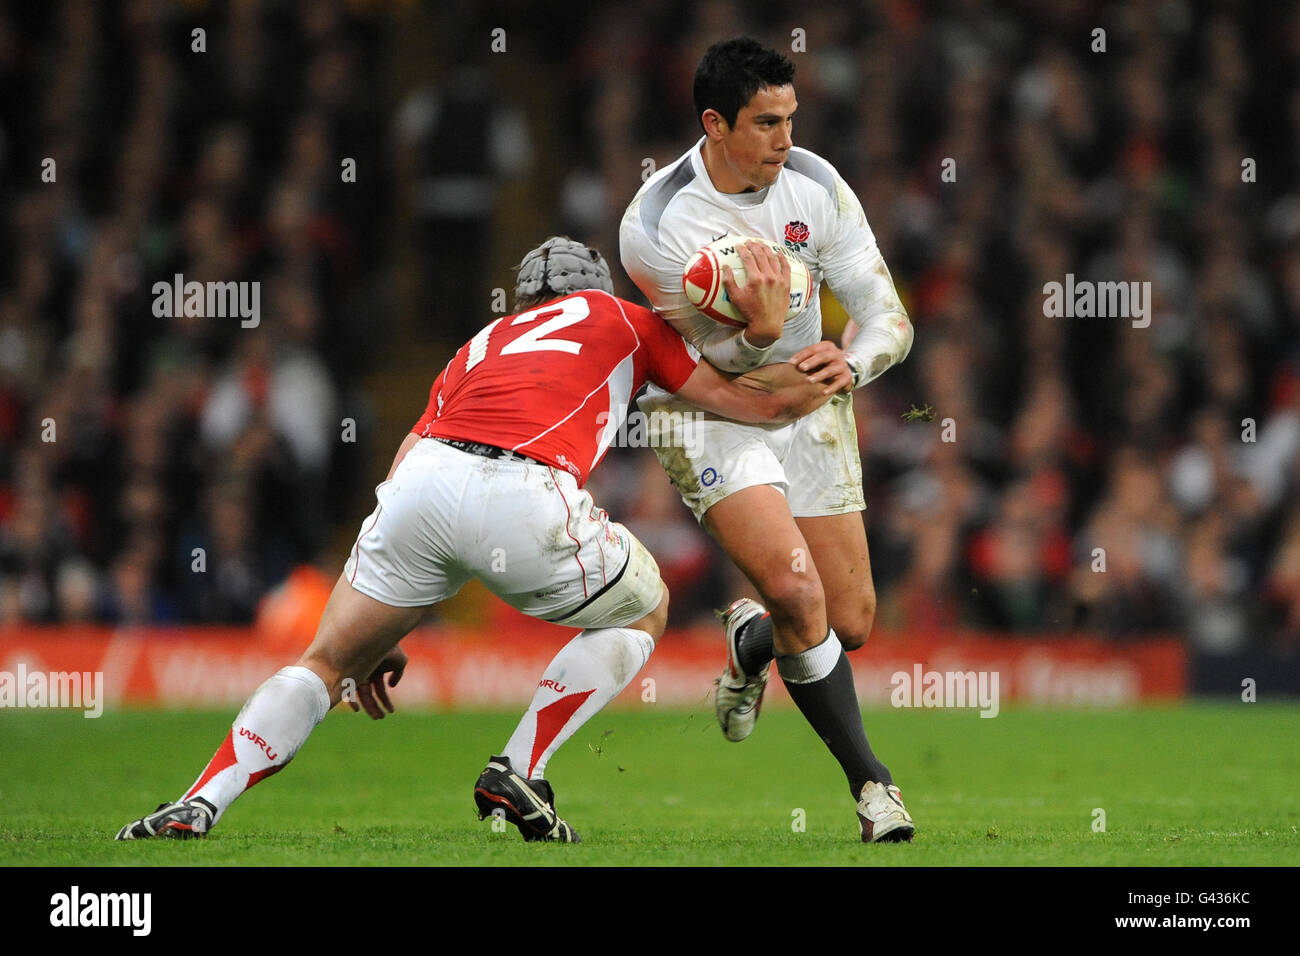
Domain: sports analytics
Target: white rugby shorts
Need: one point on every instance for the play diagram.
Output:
(527, 531)
(813, 461)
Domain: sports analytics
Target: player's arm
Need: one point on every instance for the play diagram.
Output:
(879, 333)
(771, 393)
(660, 279)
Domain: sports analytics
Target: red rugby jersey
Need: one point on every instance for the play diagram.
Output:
(554, 383)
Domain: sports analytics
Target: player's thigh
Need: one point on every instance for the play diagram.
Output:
(570, 563)
(635, 596)
(822, 465)
(408, 551)
(354, 634)
(403, 562)
(756, 529)
(655, 622)
(839, 547)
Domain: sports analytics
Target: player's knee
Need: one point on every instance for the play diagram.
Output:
(854, 631)
(656, 622)
(793, 598)
(659, 616)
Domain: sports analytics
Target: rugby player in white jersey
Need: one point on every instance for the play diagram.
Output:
(784, 502)
(488, 485)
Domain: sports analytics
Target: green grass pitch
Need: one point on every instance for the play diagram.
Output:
(1203, 784)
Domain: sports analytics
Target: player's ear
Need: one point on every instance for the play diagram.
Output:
(715, 125)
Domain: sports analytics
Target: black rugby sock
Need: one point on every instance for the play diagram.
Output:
(754, 644)
(830, 705)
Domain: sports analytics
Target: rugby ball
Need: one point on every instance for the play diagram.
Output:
(702, 279)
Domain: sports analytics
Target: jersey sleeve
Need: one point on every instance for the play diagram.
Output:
(659, 277)
(669, 359)
(852, 264)
(856, 272)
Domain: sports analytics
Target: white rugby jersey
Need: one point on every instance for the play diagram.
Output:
(809, 208)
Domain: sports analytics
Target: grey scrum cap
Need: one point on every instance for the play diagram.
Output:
(563, 266)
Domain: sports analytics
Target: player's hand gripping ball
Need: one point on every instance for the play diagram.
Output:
(702, 279)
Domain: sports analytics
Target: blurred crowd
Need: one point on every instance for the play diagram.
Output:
(154, 468)
(1079, 474)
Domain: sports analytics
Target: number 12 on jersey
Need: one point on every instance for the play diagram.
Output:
(569, 312)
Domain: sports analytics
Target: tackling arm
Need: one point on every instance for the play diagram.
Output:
(772, 393)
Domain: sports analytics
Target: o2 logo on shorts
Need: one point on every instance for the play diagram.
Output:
(709, 477)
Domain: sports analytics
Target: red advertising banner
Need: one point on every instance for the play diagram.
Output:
(458, 668)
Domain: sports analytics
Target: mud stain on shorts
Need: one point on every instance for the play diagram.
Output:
(680, 469)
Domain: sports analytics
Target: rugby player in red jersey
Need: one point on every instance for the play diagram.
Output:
(489, 485)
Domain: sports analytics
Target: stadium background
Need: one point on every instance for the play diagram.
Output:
(261, 446)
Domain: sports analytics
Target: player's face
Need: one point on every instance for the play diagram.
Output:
(753, 151)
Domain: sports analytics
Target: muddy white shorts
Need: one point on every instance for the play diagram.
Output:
(814, 461)
(525, 530)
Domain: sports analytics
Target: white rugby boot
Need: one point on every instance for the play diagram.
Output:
(882, 815)
(739, 696)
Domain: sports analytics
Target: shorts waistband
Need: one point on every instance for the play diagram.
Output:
(484, 450)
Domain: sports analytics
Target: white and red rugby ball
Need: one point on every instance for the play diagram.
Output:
(702, 279)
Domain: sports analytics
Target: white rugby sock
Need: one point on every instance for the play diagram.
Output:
(812, 664)
(586, 675)
(268, 731)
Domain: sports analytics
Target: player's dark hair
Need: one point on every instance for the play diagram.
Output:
(525, 302)
(732, 71)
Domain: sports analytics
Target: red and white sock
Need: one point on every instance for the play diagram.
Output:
(270, 728)
(586, 675)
